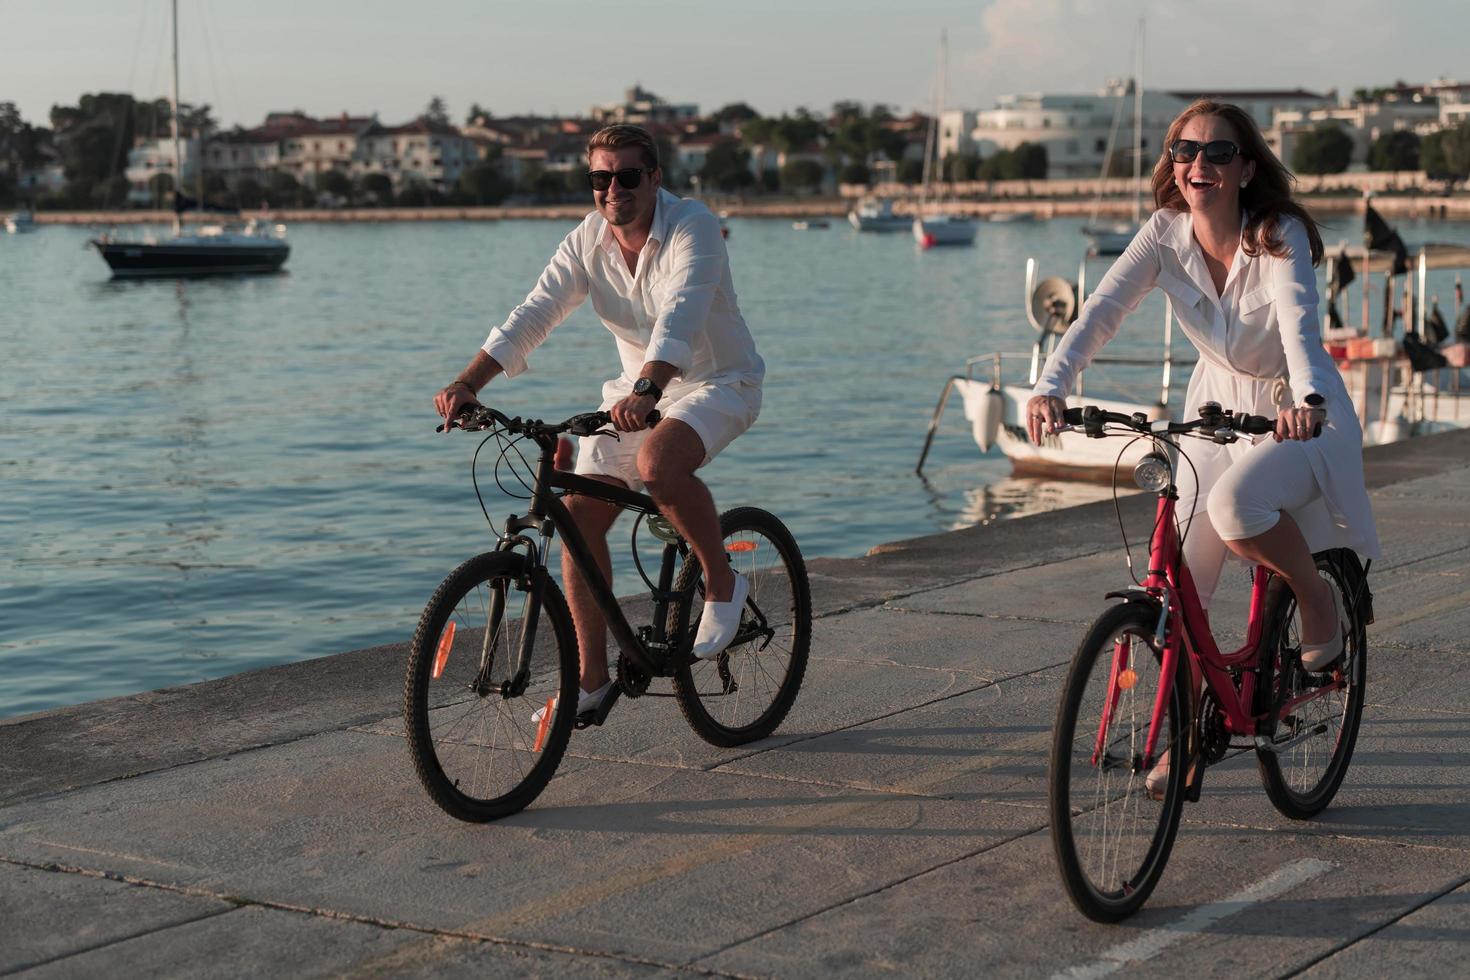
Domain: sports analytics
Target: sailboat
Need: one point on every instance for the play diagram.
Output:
(937, 228)
(1112, 237)
(208, 249)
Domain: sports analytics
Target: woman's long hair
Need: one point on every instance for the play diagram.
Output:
(1265, 199)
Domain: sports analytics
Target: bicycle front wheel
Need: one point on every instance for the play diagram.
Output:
(470, 707)
(1112, 837)
(745, 692)
(1314, 718)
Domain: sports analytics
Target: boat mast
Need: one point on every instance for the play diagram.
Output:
(1138, 127)
(174, 107)
(931, 144)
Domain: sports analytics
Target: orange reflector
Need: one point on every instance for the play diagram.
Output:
(740, 546)
(1127, 679)
(545, 725)
(441, 657)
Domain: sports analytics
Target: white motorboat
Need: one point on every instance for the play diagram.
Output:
(20, 222)
(944, 229)
(810, 224)
(876, 215)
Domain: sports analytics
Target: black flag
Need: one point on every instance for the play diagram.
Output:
(1436, 331)
(1381, 237)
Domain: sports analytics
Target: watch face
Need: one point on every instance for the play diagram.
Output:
(642, 386)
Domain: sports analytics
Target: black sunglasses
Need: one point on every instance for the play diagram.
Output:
(1218, 152)
(628, 179)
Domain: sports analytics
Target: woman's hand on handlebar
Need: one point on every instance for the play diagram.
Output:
(1043, 416)
(1301, 423)
(631, 414)
(452, 400)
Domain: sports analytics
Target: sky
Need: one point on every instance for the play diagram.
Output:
(563, 56)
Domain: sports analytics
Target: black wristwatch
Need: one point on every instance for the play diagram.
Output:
(645, 386)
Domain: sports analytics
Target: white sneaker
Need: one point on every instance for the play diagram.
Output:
(585, 701)
(720, 622)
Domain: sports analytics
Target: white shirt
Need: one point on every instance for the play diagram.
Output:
(677, 306)
(1259, 344)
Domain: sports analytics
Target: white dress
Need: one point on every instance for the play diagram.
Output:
(1260, 350)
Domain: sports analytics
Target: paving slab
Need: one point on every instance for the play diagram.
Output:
(1002, 912)
(49, 914)
(627, 859)
(1427, 942)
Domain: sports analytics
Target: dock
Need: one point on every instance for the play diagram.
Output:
(270, 823)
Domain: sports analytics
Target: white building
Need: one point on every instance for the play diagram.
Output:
(1364, 122)
(640, 108)
(148, 159)
(1074, 128)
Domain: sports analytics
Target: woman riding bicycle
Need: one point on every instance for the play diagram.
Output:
(1235, 255)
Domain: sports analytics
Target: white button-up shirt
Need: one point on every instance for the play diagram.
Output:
(1260, 350)
(677, 306)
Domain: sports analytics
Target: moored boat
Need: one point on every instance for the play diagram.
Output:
(207, 250)
(20, 222)
(876, 215)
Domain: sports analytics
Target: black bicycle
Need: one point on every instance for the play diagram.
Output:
(487, 678)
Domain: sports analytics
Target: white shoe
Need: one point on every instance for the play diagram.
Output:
(585, 702)
(720, 622)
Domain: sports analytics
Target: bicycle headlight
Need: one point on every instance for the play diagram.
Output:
(1152, 473)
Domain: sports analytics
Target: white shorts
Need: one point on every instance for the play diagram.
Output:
(716, 412)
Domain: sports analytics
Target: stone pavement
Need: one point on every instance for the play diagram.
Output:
(270, 823)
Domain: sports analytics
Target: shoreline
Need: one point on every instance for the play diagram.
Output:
(1042, 208)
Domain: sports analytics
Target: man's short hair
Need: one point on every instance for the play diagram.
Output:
(622, 135)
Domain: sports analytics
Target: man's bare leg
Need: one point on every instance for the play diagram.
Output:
(666, 463)
(594, 518)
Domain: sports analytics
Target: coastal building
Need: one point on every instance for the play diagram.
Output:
(641, 107)
(149, 158)
(1364, 121)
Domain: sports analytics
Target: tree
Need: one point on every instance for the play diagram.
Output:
(727, 167)
(856, 173)
(482, 184)
(800, 175)
(249, 194)
(735, 114)
(1454, 151)
(1324, 149)
(283, 189)
(335, 183)
(910, 171)
(1031, 163)
(476, 112)
(437, 111)
(1396, 150)
(378, 187)
(160, 186)
(960, 166)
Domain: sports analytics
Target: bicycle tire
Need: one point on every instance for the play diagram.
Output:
(1294, 784)
(717, 695)
(460, 740)
(1080, 791)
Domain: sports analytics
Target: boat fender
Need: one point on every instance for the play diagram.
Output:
(985, 408)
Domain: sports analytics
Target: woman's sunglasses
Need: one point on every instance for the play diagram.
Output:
(1218, 152)
(628, 179)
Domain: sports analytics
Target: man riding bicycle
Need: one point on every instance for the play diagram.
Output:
(657, 272)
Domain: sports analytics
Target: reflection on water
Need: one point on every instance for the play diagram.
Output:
(1009, 497)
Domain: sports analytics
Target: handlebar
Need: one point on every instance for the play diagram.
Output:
(1215, 422)
(477, 418)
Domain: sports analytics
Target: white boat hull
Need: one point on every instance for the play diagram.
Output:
(945, 230)
(880, 223)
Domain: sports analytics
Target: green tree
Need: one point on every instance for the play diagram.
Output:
(1454, 151)
(437, 111)
(249, 194)
(482, 184)
(283, 189)
(727, 167)
(911, 171)
(377, 187)
(1324, 149)
(799, 175)
(335, 183)
(856, 173)
(960, 166)
(736, 114)
(112, 192)
(93, 137)
(1396, 150)
(1031, 163)
(476, 111)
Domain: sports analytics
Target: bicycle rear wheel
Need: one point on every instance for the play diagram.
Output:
(1111, 839)
(476, 746)
(743, 694)
(1302, 777)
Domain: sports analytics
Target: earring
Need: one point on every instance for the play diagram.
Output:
(1243, 184)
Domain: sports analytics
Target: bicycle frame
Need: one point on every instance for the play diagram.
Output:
(1187, 632)
(547, 514)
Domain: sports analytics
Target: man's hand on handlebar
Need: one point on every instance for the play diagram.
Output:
(453, 399)
(1298, 423)
(631, 414)
(1043, 416)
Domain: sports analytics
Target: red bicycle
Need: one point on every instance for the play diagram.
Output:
(1127, 702)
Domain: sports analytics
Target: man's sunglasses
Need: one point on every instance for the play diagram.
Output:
(1218, 152)
(628, 179)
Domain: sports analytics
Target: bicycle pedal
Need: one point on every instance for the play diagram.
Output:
(596, 716)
